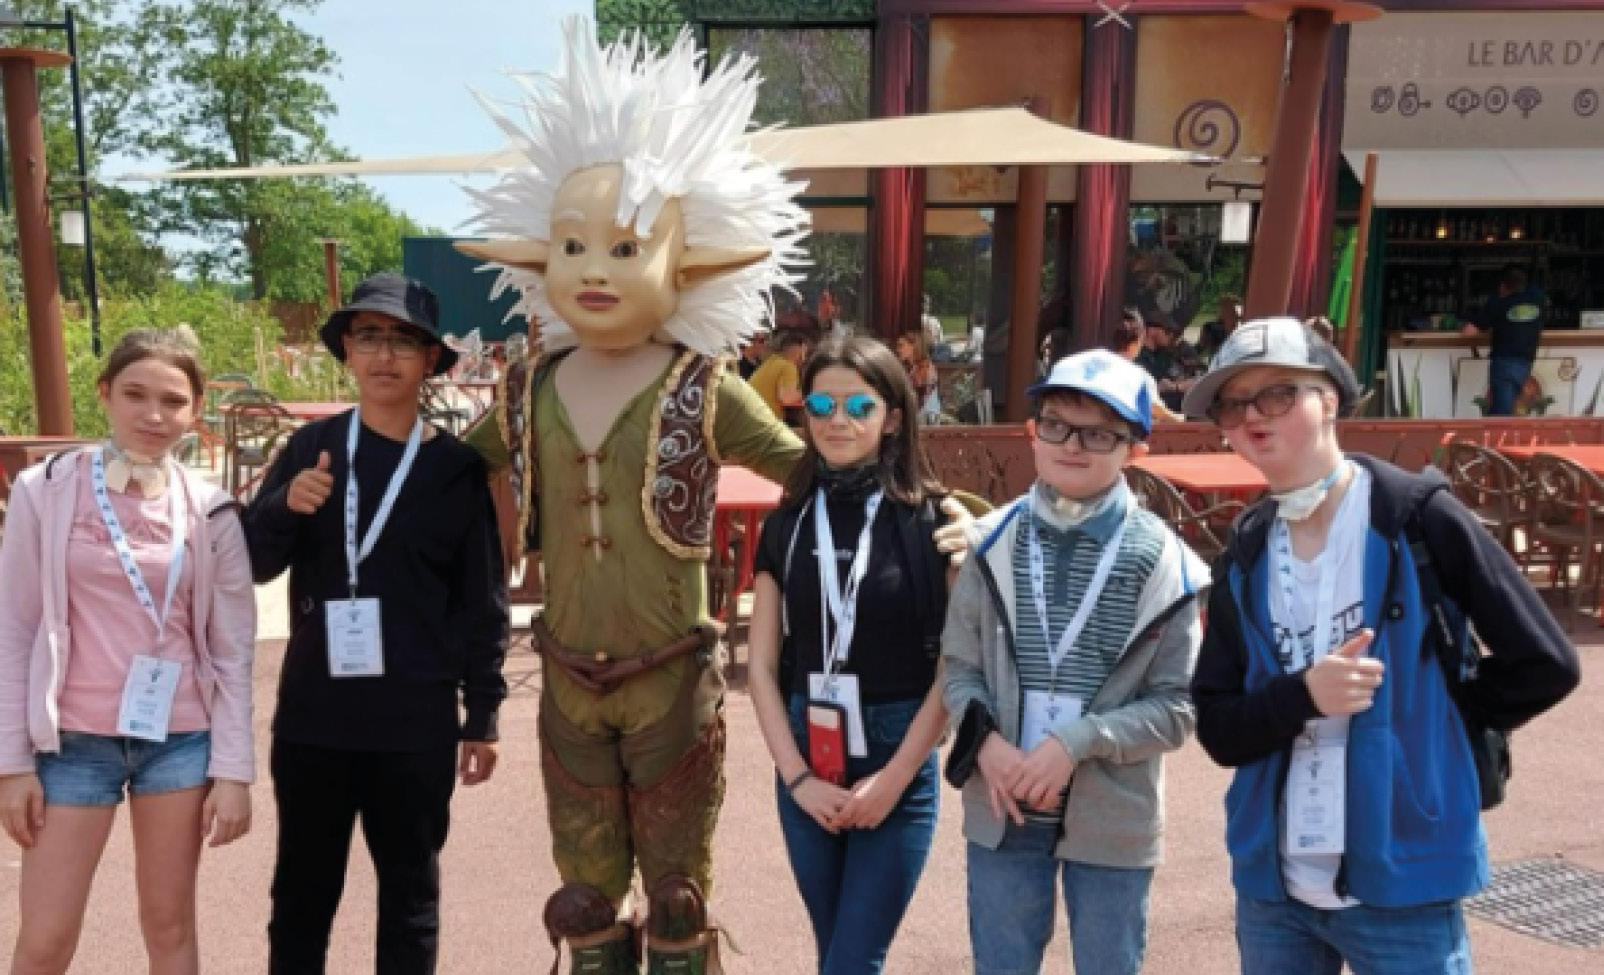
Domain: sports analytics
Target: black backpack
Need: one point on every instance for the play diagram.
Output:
(1460, 657)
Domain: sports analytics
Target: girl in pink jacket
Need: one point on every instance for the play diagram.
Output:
(127, 625)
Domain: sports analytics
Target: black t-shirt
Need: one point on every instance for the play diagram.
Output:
(1516, 322)
(436, 569)
(887, 652)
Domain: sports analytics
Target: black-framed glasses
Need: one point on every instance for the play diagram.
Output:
(1093, 440)
(1271, 402)
(822, 406)
(403, 345)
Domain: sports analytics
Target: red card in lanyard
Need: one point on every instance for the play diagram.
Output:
(840, 605)
(355, 633)
(1048, 710)
(147, 703)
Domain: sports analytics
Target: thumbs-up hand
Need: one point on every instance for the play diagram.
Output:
(1345, 680)
(952, 538)
(311, 487)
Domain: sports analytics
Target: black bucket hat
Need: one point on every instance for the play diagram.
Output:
(399, 297)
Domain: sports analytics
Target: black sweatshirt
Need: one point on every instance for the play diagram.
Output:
(1530, 666)
(436, 569)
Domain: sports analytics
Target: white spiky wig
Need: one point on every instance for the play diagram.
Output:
(676, 137)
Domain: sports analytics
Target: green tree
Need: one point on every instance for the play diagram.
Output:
(245, 85)
(119, 62)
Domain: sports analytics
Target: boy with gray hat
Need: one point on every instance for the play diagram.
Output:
(1338, 678)
(398, 619)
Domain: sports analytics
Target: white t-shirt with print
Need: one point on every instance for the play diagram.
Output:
(1311, 878)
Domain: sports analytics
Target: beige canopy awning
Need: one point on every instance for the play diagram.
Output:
(939, 221)
(978, 137)
(1485, 177)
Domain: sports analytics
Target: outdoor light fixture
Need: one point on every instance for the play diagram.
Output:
(72, 228)
(1516, 230)
(1442, 227)
(1236, 222)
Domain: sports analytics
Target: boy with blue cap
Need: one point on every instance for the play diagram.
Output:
(1070, 638)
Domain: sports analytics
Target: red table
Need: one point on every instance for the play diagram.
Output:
(1207, 474)
(314, 411)
(746, 496)
(1590, 456)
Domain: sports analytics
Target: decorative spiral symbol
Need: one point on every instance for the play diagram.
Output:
(1382, 99)
(1585, 103)
(1527, 99)
(1409, 100)
(1464, 101)
(1203, 125)
(1497, 99)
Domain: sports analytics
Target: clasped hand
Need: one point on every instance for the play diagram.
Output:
(1012, 777)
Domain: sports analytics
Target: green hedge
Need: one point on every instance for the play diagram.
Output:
(236, 337)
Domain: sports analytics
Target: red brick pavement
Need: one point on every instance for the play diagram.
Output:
(497, 871)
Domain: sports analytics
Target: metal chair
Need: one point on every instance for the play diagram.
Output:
(1206, 531)
(1491, 486)
(254, 430)
(1567, 501)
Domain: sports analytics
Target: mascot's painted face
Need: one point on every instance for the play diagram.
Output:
(613, 287)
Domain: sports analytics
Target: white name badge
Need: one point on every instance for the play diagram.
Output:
(1043, 713)
(1317, 784)
(147, 708)
(356, 644)
(842, 689)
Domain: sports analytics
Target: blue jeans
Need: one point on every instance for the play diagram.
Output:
(856, 884)
(1505, 379)
(1276, 937)
(1012, 902)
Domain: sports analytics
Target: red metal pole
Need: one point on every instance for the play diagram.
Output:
(19, 69)
(1023, 340)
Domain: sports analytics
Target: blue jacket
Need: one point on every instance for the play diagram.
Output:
(1414, 832)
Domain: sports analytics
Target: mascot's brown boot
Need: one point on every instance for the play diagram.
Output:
(679, 941)
(598, 942)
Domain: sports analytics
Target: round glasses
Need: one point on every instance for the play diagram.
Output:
(1271, 401)
(1093, 440)
(822, 406)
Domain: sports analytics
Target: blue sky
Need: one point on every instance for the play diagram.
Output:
(407, 70)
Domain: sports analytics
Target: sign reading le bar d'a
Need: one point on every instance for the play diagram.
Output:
(1477, 81)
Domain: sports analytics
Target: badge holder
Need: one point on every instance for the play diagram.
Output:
(827, 741)
(356, 643)
(147, 705)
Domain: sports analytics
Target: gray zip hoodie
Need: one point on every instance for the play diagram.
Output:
(1114, 815)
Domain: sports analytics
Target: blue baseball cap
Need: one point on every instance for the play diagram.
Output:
(1112, 379)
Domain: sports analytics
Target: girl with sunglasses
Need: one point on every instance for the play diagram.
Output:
(845, 688)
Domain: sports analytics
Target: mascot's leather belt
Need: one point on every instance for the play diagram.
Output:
(601, 674)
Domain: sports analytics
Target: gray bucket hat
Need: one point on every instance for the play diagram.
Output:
(1281, 342)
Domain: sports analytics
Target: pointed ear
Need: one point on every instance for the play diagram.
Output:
(530, 255)
(701, 264)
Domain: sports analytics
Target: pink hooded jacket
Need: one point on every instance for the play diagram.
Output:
(35, 645)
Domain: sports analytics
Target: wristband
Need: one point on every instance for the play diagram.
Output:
(790, 786)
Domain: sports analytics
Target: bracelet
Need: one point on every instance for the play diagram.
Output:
(790, 786)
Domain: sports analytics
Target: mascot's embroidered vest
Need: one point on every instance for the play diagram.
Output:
(681, 459)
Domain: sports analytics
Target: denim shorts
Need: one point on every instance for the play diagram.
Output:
(95, 770)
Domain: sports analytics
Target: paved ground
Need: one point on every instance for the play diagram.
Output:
(497, 869)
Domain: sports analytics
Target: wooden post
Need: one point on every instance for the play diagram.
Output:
(1361, 253)
(35, 244)
(1029, 236)
(1297, 117)
(331, 271)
